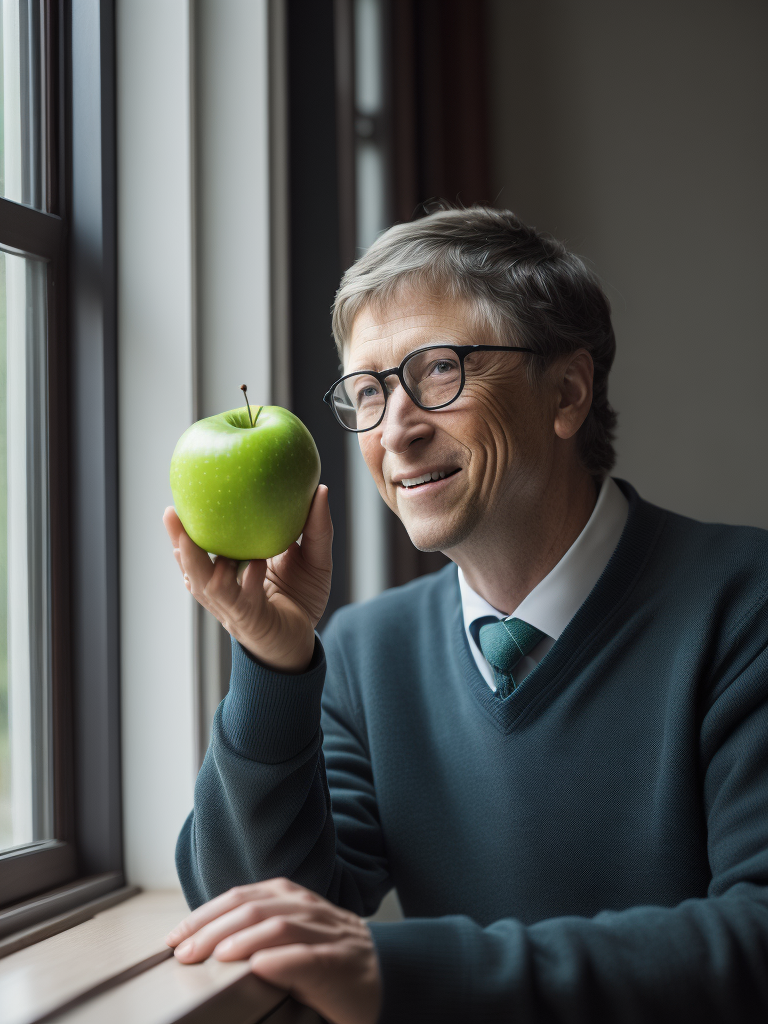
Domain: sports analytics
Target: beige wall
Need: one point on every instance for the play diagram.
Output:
(637, 133)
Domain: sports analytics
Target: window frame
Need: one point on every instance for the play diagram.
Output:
(77, 241)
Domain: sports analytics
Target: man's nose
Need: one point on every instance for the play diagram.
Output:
(404, 422)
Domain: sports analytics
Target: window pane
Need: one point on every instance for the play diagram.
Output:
(25, 692)
(22, 161)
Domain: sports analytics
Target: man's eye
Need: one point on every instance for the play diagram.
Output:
(441, 367)
(367, 393)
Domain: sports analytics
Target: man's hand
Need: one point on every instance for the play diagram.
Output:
(274, 612)
(295, 940)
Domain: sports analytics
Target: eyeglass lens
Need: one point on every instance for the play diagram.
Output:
(433, 377)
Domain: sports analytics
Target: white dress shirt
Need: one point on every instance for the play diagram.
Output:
(554, 601)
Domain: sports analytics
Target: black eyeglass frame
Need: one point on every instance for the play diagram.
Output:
(462, 351)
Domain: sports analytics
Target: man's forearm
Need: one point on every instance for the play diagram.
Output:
(261, 781)
(262, 802)
(702, 961)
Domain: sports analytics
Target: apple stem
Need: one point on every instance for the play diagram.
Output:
(244, 389)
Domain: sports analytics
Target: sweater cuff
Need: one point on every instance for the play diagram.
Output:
(421, 962)
(270, 716)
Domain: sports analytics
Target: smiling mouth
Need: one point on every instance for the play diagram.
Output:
(427, 478)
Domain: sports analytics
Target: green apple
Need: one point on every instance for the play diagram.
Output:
(244, 491)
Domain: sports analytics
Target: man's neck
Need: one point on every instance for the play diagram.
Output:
(503, 563)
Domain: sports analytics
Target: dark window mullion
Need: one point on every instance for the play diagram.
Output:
(30, 231)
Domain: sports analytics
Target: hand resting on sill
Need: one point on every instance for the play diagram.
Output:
(323, 955)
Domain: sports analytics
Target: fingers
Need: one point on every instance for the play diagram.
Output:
(317, 536)
(194, 563)
(235, 605)
(294, 939)
(281, 930)
(172, 524)
(252, 582)
(235, 935)
(216, 585)
(222, 588)
(281, 966)
(301, 967)
(339, 979)
(228, 901)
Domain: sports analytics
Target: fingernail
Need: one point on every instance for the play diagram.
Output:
(224, 946)
(185, 948)
(171, 937)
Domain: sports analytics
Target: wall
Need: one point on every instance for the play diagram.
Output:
(232, 254)
(636, 133)
(156, 403)
(193, 324)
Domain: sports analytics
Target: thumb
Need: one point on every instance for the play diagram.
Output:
(317, 536)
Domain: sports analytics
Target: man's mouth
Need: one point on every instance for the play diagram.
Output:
(418, 481)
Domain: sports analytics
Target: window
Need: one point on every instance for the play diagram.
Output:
(59, 792)
(32, 829)
(25, 642)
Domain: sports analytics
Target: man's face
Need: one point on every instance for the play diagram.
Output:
(494, 444)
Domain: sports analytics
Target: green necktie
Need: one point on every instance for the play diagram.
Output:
(504, 643)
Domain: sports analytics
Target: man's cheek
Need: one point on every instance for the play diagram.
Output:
(372, 452)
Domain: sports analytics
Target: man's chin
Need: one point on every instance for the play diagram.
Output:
(438, 533)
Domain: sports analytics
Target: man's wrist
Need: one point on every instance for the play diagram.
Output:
(294, 663)
(270, 716)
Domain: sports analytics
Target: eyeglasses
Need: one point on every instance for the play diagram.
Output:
(432, 377)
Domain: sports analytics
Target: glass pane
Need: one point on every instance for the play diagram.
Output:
(368, 527)
(359, 401)
(22, 124)
(25, 691)
(370, 156)
(434, 376)
(369, 62)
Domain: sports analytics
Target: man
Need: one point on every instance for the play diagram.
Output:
(554, 748)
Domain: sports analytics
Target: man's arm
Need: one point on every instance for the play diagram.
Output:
(262, 805)
(704, 960)
(262, 801)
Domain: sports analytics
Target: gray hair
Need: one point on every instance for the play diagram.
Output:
(521, 283)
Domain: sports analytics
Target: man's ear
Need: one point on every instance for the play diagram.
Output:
(573, 380)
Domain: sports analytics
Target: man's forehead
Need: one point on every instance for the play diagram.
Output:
(389, 332)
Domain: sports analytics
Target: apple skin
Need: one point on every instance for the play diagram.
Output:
(243, 491)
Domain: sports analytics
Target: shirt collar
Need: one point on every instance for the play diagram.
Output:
(554, 601)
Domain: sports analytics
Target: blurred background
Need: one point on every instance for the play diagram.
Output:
(263, 144)
(629, 131)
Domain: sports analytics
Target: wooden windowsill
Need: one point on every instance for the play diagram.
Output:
(116, 968)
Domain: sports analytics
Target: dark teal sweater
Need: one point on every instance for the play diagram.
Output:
(593, 848)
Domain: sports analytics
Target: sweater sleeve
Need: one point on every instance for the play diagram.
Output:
(263, 806)
(704, 960)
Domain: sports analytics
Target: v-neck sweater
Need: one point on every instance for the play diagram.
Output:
(554, 601)
(592, 848)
